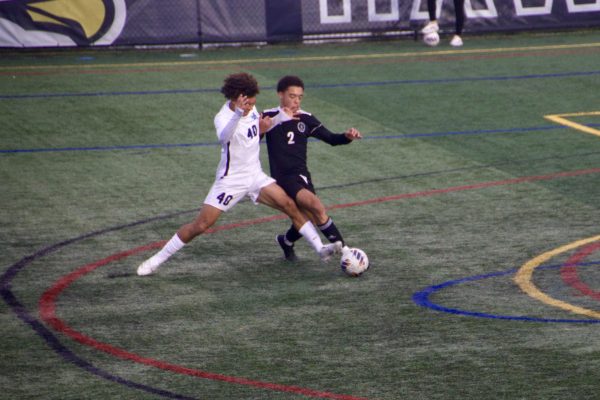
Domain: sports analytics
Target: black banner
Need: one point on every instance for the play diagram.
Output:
(55, 23)
(347, 16)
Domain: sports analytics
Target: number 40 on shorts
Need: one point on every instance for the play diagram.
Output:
(224, 198)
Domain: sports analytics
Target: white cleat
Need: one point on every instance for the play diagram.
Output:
(456, 41)
(329, 250)
(345, 249)
(147, 268)
(431, 27)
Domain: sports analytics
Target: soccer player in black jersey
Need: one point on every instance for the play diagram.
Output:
(287, 139)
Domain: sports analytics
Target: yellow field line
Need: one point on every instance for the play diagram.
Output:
(560, 119)
(308, 58)
(523, 278)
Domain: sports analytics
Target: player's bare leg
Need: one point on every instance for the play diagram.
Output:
(311, 205)
(206, 218)
(274, 196)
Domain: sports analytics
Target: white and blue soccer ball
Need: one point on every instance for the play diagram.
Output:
(431, 39)
(354, 261)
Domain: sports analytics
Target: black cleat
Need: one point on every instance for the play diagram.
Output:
(288, 251)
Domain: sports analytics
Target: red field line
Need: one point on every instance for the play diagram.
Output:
(47, 309)
(47, 302)
(569, 273)
(470, 187)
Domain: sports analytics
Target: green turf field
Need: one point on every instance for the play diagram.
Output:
(479, 215)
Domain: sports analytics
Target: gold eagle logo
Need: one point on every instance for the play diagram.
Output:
(66, 22)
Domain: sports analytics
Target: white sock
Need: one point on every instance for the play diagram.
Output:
(311, 235)
(173, 246)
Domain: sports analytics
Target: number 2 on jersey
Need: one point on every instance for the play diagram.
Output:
(290, 136)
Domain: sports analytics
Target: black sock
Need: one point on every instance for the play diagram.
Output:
(331, 231)
(292, 235)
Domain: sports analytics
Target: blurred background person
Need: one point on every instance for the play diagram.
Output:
(459, 21)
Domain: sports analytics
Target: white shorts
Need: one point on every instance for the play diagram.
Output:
(227, 191)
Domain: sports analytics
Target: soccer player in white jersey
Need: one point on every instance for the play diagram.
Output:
(239, 174)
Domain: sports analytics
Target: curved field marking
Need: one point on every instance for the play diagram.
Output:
(20, 311)
(422, 298)
(569, 273)
(47, 305)
(523, 278)
(47, 309)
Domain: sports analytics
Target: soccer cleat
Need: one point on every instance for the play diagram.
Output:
(456, 41)
(345, 250)
(147, 268)
(328, 250)
(288, 251)
(431, 27)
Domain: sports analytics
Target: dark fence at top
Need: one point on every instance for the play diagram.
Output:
(45, 23)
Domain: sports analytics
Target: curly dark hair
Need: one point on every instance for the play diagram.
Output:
(287, 81)
(241, 83)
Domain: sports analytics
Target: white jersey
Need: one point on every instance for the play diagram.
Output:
(240, 142)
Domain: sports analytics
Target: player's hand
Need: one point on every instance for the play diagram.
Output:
(242, 103)
(353, 134)
(291, 113)
(264, 123)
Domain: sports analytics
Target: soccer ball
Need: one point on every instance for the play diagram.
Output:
(354, 261)
(431, 39)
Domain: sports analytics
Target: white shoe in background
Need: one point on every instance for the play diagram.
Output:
(456, 41)
(431, 27)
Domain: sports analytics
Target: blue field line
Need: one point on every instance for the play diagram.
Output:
(108, 148)
(457, 80)
(314, 86)
(105, 94)
(421, 298)
(469, 132)
(214, 144)
(53, 341)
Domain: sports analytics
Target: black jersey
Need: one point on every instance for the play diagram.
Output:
(287, 142)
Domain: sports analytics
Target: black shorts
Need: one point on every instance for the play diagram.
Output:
(292, 184)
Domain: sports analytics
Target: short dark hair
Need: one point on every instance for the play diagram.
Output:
(287, 81)
(241, 83)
